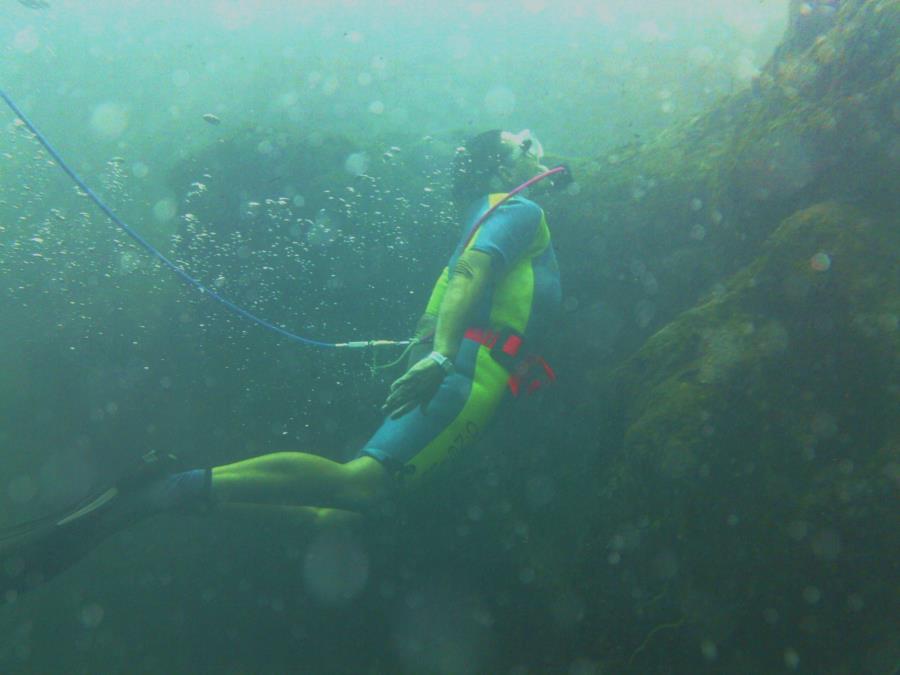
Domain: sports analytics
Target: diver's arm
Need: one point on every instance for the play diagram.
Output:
(470, 279)
(425, 327)
(415, 388)
(425, 332)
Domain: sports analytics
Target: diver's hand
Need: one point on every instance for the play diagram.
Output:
(415, 388)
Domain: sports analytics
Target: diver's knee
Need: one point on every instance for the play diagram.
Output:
(368, 483)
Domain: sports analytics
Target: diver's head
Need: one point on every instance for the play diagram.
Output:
(495, 161)
(524, 153)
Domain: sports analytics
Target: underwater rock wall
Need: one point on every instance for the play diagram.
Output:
(755, 488)
(744, 494)
(665, 220)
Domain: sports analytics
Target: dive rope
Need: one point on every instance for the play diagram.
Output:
(206, 290)
(187, 278)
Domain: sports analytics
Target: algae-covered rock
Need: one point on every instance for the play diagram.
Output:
(663, 221)
(754, 494)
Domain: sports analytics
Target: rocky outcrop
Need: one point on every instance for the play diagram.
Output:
(665, 221)
(756, 483)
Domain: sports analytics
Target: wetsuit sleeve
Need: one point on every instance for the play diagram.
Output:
(437, 293)
(508, 233)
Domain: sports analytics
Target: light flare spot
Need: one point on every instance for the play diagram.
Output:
(26, 40)
(91, 615)
(335, 568)
(459, 46)
(21, 489)
(820, 262)
(534, 6)
(356, 164)
(109, 120)
(181, 78)
(164, 210)
(812, 595)
(791, 658)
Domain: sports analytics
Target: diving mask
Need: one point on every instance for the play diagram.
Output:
(524, 143)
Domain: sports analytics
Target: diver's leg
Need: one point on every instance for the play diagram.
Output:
(39, 553)
(309, 518)
(301, 479)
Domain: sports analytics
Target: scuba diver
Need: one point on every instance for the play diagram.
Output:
(476, 346)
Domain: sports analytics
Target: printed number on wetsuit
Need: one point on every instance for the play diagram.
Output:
(463, 438)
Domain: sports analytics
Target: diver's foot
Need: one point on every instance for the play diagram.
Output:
(148, 490)
(33, 553)
(33, 557)
(158, 484)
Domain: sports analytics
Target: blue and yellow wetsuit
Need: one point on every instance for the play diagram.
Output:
(524, 297)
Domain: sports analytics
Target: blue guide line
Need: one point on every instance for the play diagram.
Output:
(187, 278)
